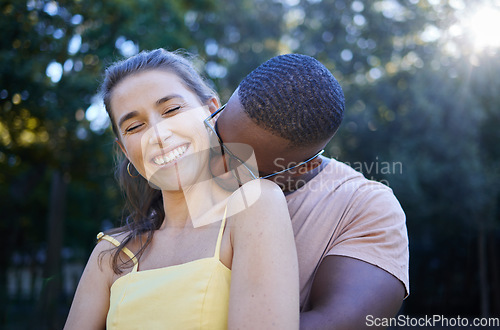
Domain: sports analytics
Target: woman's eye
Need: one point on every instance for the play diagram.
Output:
(133, 128)
(171, 110)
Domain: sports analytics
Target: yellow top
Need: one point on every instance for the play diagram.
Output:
(193, 295)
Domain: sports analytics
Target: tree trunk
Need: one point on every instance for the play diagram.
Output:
(483, 270)
(495, 275)
(47, 316)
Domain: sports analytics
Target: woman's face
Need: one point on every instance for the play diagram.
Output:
(160, 123)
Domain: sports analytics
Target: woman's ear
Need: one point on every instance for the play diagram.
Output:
(213, 104)
(121, 147)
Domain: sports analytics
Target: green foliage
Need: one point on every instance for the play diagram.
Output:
(428, 104)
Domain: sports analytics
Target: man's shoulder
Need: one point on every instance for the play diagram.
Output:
(340, 187)
(340, 179)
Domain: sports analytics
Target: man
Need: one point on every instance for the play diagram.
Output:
(350, 232)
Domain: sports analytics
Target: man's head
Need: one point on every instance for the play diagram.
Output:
(287, 109)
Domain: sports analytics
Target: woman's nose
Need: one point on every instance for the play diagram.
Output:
(160, 133)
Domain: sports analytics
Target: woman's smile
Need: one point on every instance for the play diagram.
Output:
(167, 157)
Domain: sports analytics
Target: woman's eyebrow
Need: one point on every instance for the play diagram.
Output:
(127, 117)
(168, 98)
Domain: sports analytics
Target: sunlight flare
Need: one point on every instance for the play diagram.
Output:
(484, 26)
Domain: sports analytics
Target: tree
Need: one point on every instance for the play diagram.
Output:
(417, 95)
(53, 54)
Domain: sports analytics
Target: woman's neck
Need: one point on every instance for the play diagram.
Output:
(194, 206)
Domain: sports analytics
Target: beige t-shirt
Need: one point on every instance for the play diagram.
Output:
(340, 212)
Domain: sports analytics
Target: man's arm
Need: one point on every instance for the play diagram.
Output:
(345, 290)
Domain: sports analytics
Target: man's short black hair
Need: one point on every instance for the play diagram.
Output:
(294, 96)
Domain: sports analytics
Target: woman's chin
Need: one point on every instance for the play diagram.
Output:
(178, 179)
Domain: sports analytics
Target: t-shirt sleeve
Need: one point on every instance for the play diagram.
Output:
(374, 230)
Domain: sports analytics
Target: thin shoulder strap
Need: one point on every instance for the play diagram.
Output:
(219, 238)
(115, 242)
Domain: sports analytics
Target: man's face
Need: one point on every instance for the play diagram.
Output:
(273, 153)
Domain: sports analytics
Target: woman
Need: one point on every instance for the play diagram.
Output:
(192, 254)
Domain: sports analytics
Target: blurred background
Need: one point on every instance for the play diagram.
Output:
(422, 86)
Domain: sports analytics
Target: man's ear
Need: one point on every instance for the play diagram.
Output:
(121, 147)
(309, 166)
(213, 104)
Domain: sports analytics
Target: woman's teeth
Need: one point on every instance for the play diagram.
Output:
(171, 156)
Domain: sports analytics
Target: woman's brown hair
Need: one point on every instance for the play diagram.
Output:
(144, 211)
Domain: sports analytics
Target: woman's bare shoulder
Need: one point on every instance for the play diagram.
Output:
(106, 248)
(107, 242)
(256, 194)
(258, 205)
